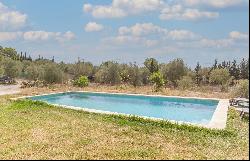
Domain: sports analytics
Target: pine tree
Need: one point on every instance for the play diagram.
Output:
(244, 70)
(198, 77)
(234, 70)
(215, 66)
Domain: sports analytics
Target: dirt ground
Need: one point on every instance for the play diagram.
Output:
(9, 89)
(205, 92)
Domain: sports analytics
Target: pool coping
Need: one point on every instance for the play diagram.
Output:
(218, 121)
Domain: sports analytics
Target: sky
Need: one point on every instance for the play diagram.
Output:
(127, 30)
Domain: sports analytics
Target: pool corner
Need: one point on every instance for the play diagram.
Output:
(219, 119)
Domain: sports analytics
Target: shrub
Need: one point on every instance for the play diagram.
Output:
(174, 71)
(1, 71)
(145, 74)
(220, 77)
(241, 89)
(12, 68)
(185, 83)
(34, 72)
(52, 74)
(152, 65)
(158, 81)
(109, 73)
(82, 81)
(135, 75)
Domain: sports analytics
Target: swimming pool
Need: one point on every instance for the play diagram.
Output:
(188, 110)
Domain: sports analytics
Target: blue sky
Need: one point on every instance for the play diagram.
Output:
(127, 30)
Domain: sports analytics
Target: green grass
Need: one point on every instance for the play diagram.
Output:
(35, 130)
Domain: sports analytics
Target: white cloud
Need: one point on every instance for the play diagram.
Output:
(123, 8)
(182, 35)
(152, 36)
(87, 7)
(220, 43)
(215, 3)
(66, 36)
(169, 9)
(93, 27)
(149, 35)
(9, 36)
(10, 19)
(178, 12)
(37, 36)
(149, 29)
(129, 40)
(108, 12)
(142, 29)
(236, 35)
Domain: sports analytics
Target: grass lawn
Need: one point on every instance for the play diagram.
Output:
(33, 130)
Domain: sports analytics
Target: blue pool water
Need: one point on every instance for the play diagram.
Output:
(179, 109)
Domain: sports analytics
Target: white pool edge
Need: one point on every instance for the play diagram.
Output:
(218, 121)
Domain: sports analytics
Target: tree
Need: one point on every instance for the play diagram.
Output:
(174, 71)
(12, 68)
(205, 74)
(10, 52)
(1, 71)
(82, 68)
(220, 77)
(234, 70)
(135, 76)
(109, 73)
(34, 72)
(244, 69)
(215, 66)
(186, 82)
(145, 74)
(52, 74)
(152, 65)
(125, 73)
(158, 80)
(242, 89)
(198, 76)
(82, 81)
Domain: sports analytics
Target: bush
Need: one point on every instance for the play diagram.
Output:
(109, 73)
(185, 83)
(82, 81)
(174, 71)
(12, 68)
(158, 81)
(220, 77)
(241, 89)
(52, 74)
(1, 71)
(34, 72)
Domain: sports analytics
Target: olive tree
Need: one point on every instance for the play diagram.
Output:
(34, 72)
(1, 71)
(52, 74)
(174, 71)
(109, 73)
(220, 77)
(185, 82)
(157, 79)
(241, 89)
(12, 68)
(152, 65)
(135, 75)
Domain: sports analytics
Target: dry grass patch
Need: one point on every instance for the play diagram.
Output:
(34, 130)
